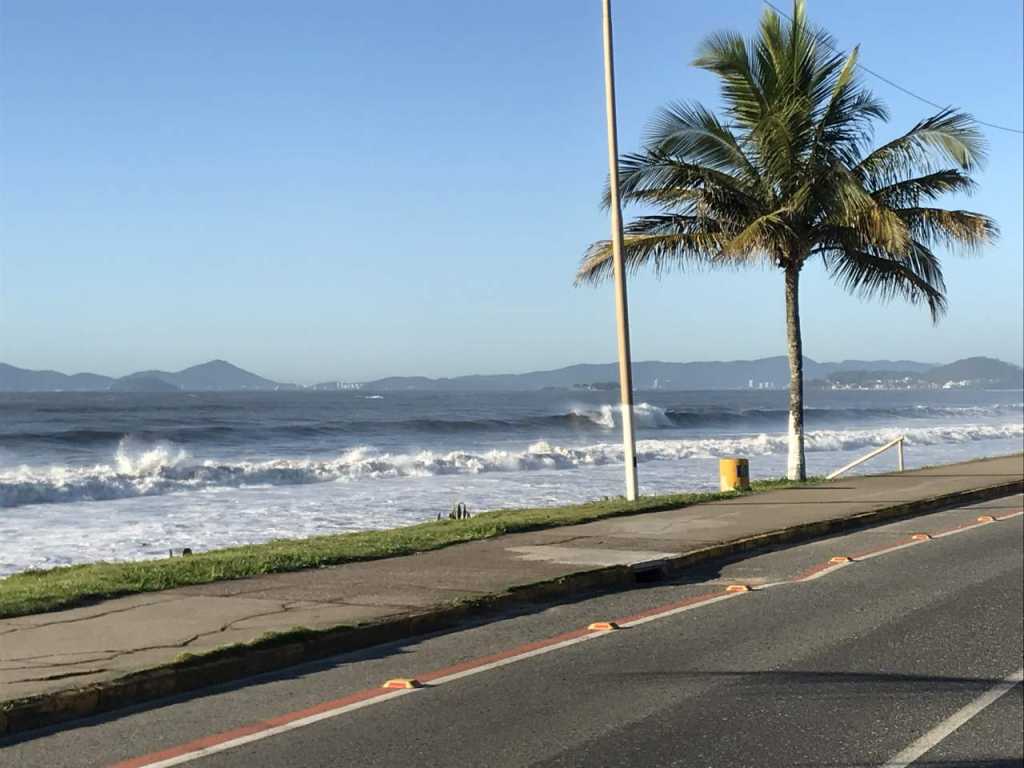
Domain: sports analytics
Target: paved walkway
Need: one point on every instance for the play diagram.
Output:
(50, 652)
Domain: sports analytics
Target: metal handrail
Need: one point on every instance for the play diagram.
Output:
(899, 460)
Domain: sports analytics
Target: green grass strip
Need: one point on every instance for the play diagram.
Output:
(68, 586)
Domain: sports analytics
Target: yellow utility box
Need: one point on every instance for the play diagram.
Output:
(734, 474)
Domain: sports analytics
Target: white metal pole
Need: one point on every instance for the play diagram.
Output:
(621, 308)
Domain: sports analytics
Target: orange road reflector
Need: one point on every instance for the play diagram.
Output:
(403, 683)
(737, 588)
(986, 519)
(840, 559)
(921, 536)
(603, 626)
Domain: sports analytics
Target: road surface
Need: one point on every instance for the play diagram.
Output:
(909, 654)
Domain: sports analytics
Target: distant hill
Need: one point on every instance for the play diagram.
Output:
(216, 375)
(21, 380)
(137, 383)
(971, 372)
(983, 371)
(767, 372)
(764, 373)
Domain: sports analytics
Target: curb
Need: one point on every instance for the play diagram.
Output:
(288, 649)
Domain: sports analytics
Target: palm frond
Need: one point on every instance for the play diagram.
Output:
(652, 178)
(764, 235)
(949, 136)
(727, 56)
(845, 121)
(693, 134)
(915, 276)
(845, 203)
(910, 192)
(660, 242)
(963, 230)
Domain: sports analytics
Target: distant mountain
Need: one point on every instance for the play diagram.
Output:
(212, 376)
(768, 372)
(971, 372)
(216, 375)
(982, 371)
(765, 373)
(21, 380)
(138, 383)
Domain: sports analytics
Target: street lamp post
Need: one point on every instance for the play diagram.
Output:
(621, 308)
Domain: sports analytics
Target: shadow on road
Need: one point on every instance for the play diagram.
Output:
(878, 683)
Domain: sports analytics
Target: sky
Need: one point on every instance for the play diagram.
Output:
(321, 190)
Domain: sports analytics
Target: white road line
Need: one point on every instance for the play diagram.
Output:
(823, 572)
(909, 755)
(512, 659)
(961, 529)
(681, 609)
(258, 735)
(895, 548)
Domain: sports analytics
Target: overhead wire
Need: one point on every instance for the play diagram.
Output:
(885, 79)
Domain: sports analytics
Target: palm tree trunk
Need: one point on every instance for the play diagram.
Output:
(796, 469)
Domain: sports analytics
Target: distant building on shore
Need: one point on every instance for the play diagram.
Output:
(335, 386)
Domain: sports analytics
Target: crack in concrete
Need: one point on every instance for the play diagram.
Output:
(565, 540)
(231, 624)
(111, 612)
(108, 654)
(55, 664)
(63, 676)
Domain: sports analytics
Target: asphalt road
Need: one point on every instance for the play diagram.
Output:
(849, 669)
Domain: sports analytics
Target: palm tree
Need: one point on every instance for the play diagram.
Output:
(788, 176)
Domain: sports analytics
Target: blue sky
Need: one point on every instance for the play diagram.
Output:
(319, 190)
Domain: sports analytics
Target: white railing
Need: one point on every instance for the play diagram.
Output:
(898, 442)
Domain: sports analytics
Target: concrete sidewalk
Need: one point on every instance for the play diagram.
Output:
(49, 657)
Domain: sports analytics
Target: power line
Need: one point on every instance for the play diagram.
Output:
(884, 79)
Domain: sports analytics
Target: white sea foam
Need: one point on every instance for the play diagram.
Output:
(645, 415)
(133, 458)
(141, 470)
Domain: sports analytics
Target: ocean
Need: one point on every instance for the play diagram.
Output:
(123, 476)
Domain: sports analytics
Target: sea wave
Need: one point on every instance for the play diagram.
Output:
(141, 469)
(580, 418)
(647, 416)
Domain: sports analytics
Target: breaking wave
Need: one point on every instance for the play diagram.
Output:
(575, 419)
(147, 469)
(647, 416)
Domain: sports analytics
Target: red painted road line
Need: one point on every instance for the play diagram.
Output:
(338, 704)
(247, 730)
